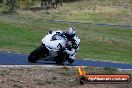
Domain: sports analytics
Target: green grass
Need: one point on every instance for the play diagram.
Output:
(16, 38)
(107, 43)
(100, 43)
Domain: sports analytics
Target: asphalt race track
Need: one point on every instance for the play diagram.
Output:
(21, 59)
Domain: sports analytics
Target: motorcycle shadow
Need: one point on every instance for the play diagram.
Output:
(42, 62)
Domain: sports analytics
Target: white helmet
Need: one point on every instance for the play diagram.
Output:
(70, 32)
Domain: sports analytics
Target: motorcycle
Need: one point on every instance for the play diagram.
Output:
(52, 49)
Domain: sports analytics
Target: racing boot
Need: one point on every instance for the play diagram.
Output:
(70, 60)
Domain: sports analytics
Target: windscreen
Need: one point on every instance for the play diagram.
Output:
(57, 37)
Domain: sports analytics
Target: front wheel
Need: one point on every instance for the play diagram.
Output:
(32, 58)
(37, 54)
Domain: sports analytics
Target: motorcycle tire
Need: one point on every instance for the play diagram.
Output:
(59, 61)
(32, 58)
(61, 58)
(37, 54)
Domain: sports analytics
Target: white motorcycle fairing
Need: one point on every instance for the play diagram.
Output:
(54, 45)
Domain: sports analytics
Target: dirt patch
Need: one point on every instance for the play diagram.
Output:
(38, 77)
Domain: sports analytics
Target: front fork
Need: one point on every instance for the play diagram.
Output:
(46, 51)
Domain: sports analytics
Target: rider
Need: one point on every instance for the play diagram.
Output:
(72, 43)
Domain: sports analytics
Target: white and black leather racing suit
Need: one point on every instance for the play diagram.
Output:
(72, 46)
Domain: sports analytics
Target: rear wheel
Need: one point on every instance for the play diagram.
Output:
(61, 58)
(59, 61)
